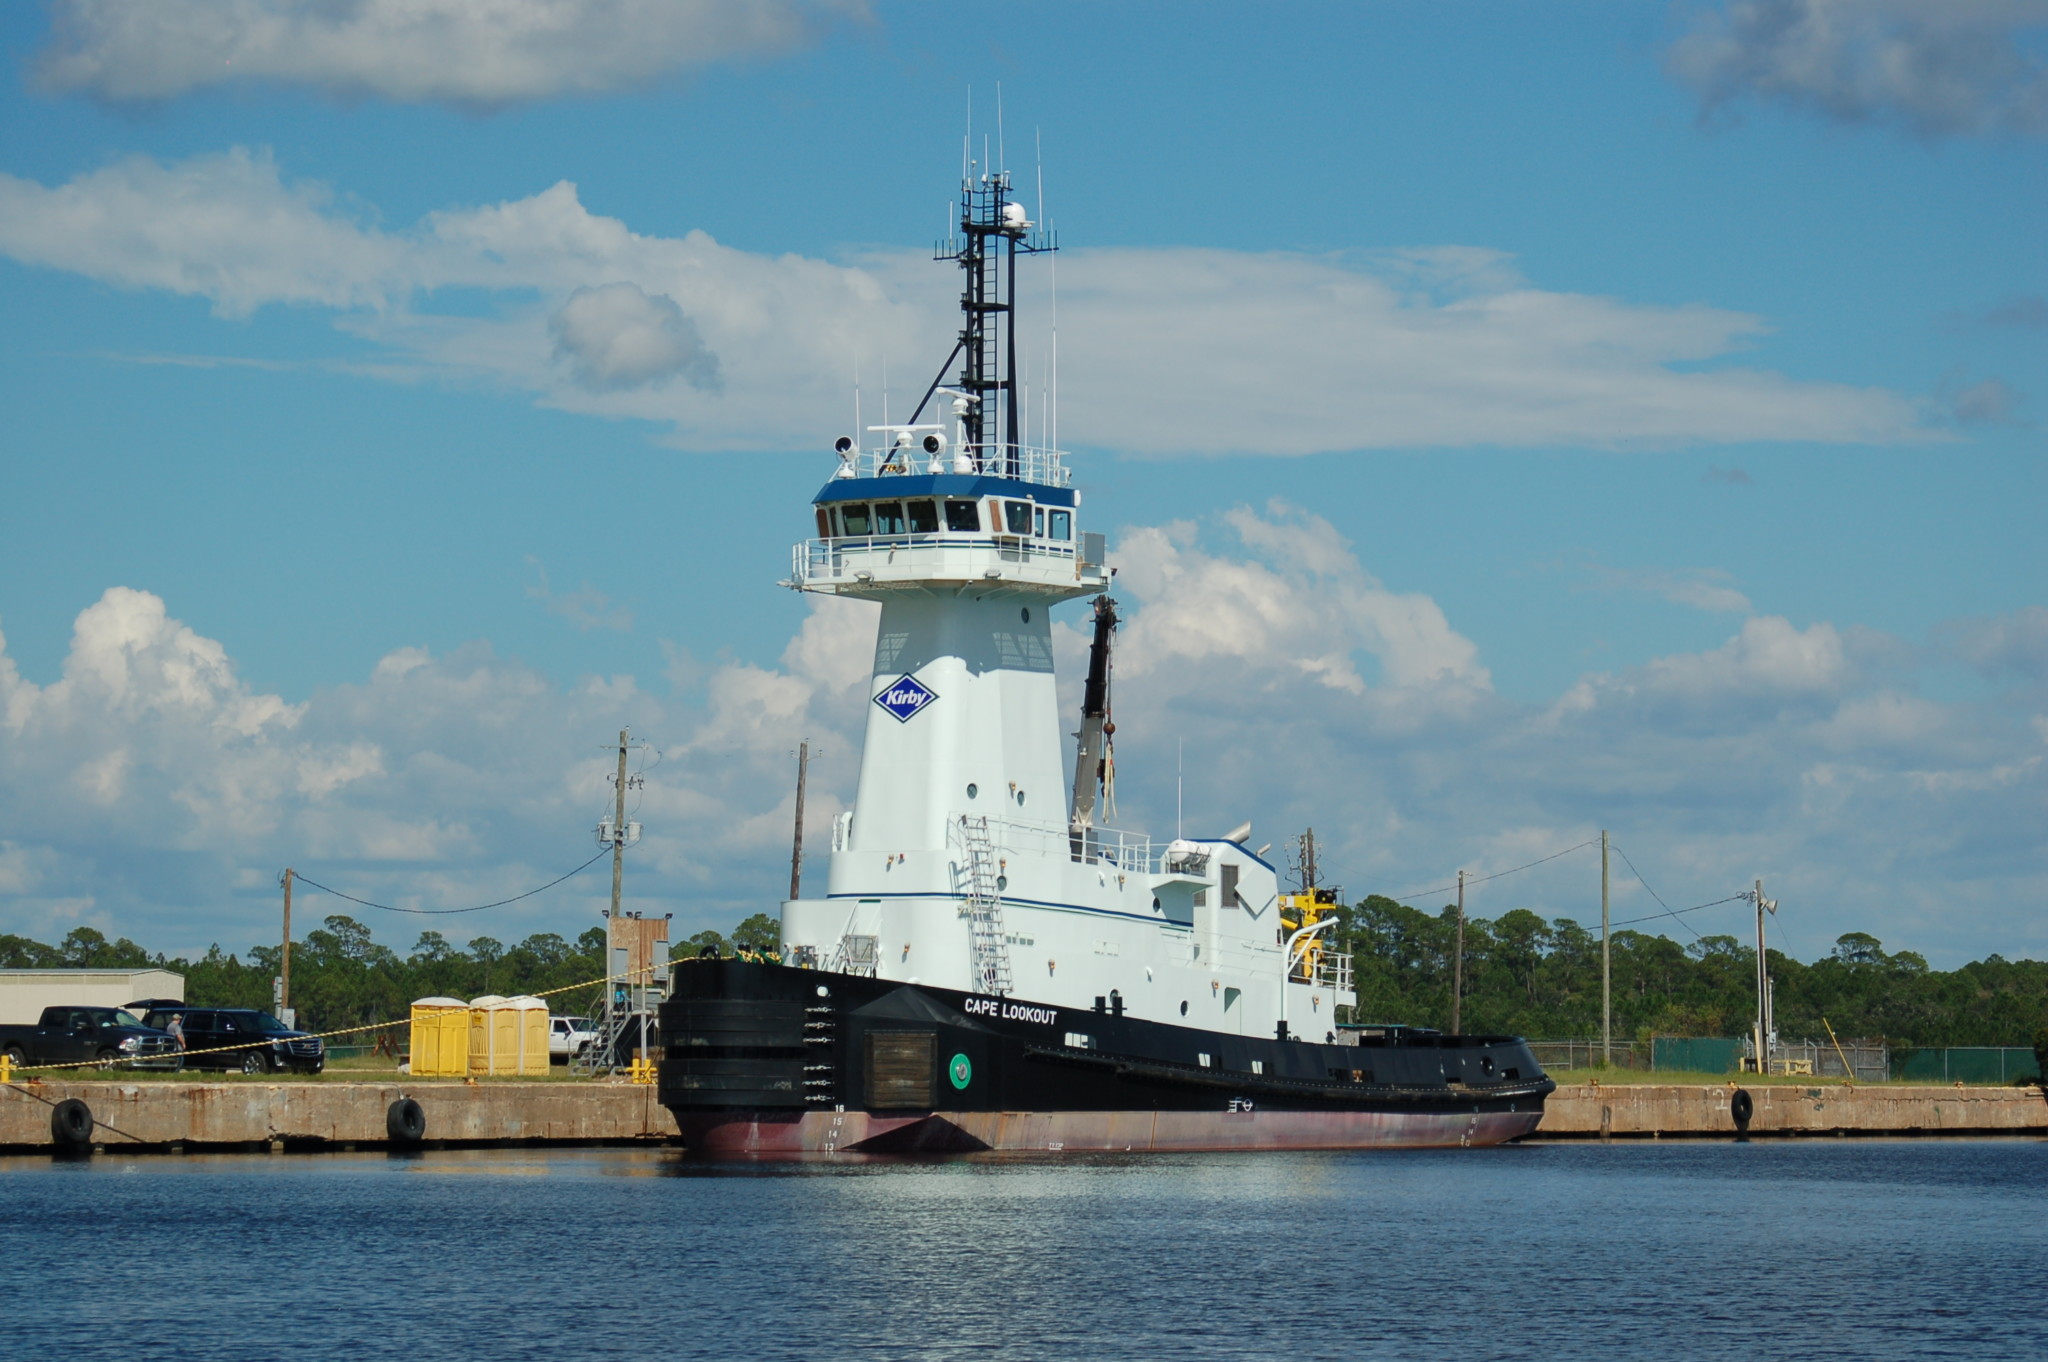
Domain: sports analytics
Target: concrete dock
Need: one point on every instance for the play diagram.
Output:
(310, 1116)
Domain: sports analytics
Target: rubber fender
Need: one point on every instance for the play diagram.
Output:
(1741, 1106)
(71, 1123)
(405, 1122)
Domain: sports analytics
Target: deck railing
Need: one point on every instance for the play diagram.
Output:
(1027, 463)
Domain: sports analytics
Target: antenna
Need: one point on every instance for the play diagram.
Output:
(1002, 157)
(1180, 747)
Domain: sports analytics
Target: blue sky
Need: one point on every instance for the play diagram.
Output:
(1512, 420)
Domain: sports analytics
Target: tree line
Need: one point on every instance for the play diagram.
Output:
(1527, 977)
(1522, 976)
(342, 977)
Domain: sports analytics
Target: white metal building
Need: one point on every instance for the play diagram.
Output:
(24, 993)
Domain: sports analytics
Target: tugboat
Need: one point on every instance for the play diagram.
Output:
(992, 966)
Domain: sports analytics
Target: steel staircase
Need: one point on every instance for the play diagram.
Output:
(990, 954)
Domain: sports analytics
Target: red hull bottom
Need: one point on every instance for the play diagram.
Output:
(1079, 1132)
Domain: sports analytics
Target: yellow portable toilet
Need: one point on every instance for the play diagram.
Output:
(440, 1038)
(533, 1036)
(488, 1050)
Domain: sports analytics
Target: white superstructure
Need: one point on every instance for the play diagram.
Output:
(966, 863)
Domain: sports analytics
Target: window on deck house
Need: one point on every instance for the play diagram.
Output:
(853, 516)
(963, 517)
(888, 517)
(1062, 525)
(924, 517)
(1018, 514)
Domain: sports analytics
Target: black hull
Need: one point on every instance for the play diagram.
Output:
(769, 1058)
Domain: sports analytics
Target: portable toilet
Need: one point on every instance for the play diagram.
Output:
(489, 1052)
(440, 1038)
(533, 1036)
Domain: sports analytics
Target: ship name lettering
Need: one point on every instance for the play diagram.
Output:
(1008, 1011)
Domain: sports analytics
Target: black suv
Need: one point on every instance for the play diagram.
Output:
(260, 1042)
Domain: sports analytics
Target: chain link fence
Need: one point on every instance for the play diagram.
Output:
(1863, 1059)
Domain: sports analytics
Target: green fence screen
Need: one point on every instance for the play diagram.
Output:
(1970, 1064)
(1697, 1054)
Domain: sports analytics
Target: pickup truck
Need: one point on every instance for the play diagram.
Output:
(567, 1036)
(104, 1035)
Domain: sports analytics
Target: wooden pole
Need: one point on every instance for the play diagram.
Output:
(619, 825)
(284, 957)
(1458, 963)
(1606, 966)
(796, 854)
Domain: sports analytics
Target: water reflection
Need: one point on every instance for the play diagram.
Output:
(1655, 1251)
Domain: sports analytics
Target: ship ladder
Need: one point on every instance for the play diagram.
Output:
(990, 953)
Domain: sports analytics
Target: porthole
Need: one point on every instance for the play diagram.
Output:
(1183, 1007)
(972, 790)
(824, 992)
(1027, 614)
(1020, 799)
(1002, 883)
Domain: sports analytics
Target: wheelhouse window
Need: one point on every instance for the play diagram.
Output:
(853, 518)
(888, 517)
(1018, 516)
(924, 517)
(1060, 525)
(963, 517)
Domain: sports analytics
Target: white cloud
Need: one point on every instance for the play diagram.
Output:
(1234, 351)
(476, 53)
(2004, 645)
(149, 789)
(614, 336)
(1942, 69)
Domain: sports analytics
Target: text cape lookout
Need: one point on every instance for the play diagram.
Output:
(992, 965)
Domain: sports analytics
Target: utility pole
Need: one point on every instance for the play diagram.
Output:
(1766, 1024)
(284, 957)
(1606, 966)
(796, 854)
(619, 824)
(1458, 962)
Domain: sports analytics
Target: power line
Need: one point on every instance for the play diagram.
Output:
(442, 912)
(1471, 880)
(1674, 912)
(1660, 898)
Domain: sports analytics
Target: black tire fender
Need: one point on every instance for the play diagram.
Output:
(1741, 1107)
(405, 1122)
(71, 1123)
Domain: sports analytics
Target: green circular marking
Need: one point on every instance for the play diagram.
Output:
(960, 1071)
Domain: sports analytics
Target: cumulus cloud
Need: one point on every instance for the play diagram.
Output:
(148, 781)
(1951, 68)
(476, 53)
(1237, 351)
(1256, 661)
(615, 336)
(148, 789)
(2002, 645)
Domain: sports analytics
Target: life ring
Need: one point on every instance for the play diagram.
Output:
(1741, 1107)
(71, 1123)
(405, 1122)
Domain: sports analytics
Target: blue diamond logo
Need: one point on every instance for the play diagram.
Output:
(905, 697)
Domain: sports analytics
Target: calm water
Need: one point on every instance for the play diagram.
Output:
(1823, 1250)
